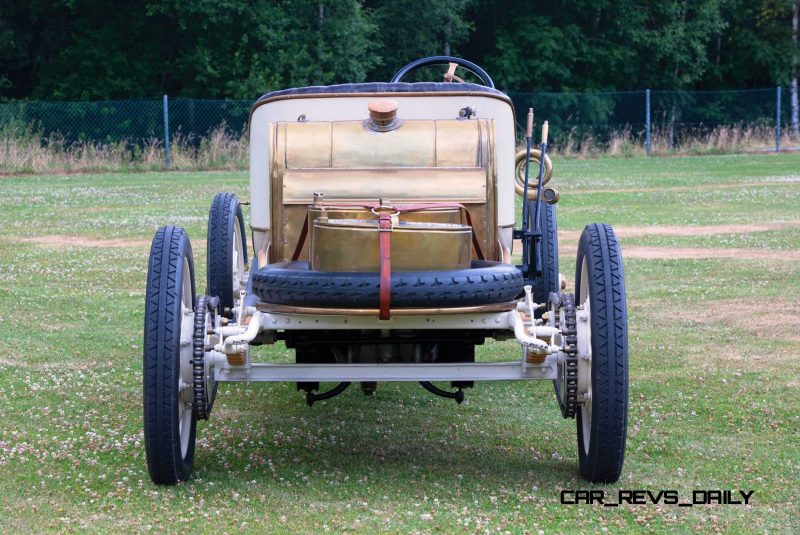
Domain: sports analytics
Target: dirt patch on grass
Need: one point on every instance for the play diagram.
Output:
(670, 253)
(688, 230)
(777, 316)
(773, 319)
(659, 189)
(690, 253)
(66, 241)
(61, 241)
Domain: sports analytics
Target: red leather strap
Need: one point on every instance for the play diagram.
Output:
(302, 241)
(475, 243)
(385, 238)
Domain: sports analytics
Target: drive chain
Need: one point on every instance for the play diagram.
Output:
(567, 384)
(203, 399)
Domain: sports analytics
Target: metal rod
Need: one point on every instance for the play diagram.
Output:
(166, 133)
(778, 119)
(477, 371)
(525, 207)
(647, 139)
(312, 398)
(436, 391)
(537, 223)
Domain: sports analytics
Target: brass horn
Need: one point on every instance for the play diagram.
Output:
(519, 178)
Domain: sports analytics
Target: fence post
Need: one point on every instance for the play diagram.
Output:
(778, 119)
(647, 141)
(166, 133)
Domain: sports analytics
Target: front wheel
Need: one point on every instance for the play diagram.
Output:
(227, 251)
(602, 344)
(169, 421)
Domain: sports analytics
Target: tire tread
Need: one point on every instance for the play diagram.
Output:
(224, 212)
(291, 283)
(169, 247)
(549, 281)
(603, 463)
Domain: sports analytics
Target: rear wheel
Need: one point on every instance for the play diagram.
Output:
(169, 421)
(549, 281)
(227, 250)
(602, 340)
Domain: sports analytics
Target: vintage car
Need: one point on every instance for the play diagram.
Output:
(382, 219)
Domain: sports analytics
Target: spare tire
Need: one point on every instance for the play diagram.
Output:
(292, 283)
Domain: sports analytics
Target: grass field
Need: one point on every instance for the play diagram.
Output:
(712, 259)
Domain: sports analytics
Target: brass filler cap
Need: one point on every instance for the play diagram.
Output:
(382, 112)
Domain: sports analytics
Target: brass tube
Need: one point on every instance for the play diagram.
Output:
(519, 182)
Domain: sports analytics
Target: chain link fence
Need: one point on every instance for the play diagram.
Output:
(666, 120)
(125, 120)
(676, 118)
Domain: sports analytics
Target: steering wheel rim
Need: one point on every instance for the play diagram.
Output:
(437, 60)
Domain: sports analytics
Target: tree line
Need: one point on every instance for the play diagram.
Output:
(96, 49)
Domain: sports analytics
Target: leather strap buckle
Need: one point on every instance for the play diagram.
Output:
(382, 209)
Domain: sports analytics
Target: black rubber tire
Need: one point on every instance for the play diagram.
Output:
(549, 281)
(224, 216)
(292, 283)
(166, 463)
(602, 463)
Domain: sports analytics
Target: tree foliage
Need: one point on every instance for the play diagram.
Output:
(96, 49)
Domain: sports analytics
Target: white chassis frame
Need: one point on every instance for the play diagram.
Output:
(477, 371)
(535, 339)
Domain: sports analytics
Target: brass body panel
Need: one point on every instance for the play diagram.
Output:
(452, 216)
(420, 161)
(350, 145)
(354, 146)
(352, 245)
(400, 184)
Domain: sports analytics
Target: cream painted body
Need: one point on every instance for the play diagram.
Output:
(344, 108)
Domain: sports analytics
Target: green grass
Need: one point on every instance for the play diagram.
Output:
(715, 361)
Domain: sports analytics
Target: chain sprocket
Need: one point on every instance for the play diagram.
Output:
(205, 389)
(562, 307)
